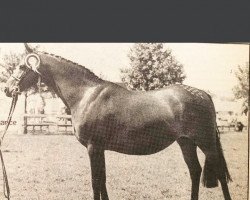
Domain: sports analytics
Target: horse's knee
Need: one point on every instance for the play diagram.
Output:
(197, 169)
(195, 172)
(96, 182)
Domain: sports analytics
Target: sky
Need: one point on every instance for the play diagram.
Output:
(207, 66)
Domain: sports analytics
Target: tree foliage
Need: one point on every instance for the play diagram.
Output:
(9, 62)
(241, 90)
(151, 67)
(8, 65)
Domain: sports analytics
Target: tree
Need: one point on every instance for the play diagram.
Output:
(151, 67)
(8, 65)
(241, 90)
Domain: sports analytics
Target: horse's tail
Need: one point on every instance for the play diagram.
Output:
(216, 168)
(222, 162)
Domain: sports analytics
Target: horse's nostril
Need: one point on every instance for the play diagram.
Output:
(5, 89)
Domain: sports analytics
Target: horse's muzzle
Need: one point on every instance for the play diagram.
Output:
(12, 92)
(7, 92)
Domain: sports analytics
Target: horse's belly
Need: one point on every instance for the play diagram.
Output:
(132, 149)
(141, 144)
(128, 138)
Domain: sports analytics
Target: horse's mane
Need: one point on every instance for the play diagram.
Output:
(80, 67)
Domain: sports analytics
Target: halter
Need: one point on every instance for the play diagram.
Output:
(29, 66)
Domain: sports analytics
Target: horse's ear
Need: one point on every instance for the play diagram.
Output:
(28, 48)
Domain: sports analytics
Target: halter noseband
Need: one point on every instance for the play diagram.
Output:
(19, 79)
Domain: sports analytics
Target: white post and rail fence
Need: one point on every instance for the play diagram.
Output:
(62, 124)
(46, 123)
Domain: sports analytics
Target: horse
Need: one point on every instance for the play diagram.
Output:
(106, 116)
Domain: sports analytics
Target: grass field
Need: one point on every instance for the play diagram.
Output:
(48, 167)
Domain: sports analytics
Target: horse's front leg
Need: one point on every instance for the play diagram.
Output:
(98, 172)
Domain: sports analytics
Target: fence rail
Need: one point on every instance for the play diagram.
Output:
(230, 128)
(44, 121)
(59, 122)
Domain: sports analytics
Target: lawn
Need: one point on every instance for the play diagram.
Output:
(49, 167)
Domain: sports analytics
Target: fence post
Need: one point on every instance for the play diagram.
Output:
(25, 131)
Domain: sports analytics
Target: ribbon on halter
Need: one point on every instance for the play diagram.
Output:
(33, 61)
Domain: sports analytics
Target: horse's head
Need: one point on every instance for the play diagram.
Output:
(25, 75)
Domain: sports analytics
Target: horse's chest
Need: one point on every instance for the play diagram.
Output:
(88, 129)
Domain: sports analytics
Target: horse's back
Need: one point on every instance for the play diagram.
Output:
(185, 94)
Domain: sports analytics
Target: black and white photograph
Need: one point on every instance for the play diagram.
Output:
(124, 121)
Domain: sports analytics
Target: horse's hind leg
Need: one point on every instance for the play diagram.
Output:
(225, 188)
(98, 172)
(190, 156)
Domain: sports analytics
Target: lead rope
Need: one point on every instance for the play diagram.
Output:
(6, 188)
(39, 84)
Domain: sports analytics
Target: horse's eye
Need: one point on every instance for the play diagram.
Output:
(22, 67)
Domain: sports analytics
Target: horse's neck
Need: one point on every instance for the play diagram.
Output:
(71, 84)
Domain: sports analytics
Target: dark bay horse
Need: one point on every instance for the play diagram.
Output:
(106, 116)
